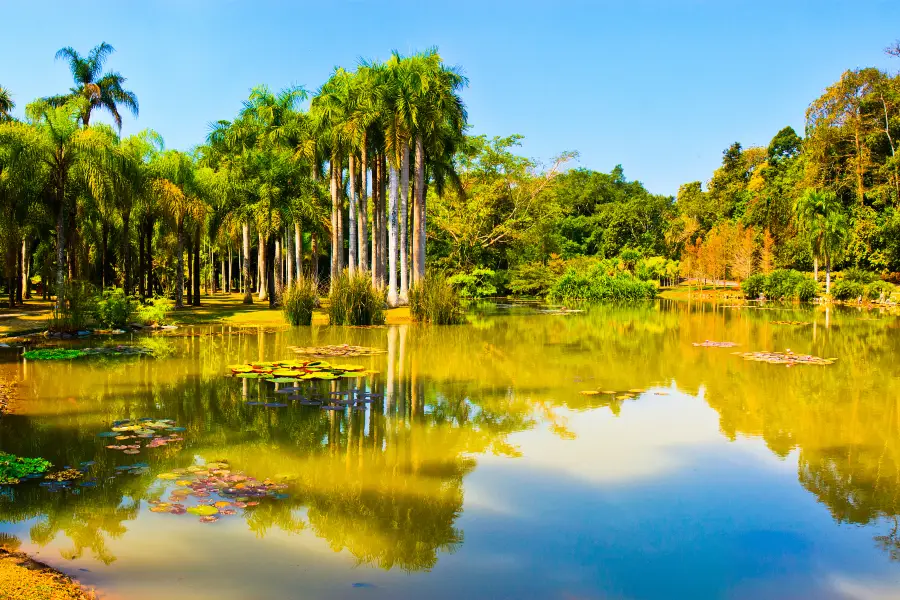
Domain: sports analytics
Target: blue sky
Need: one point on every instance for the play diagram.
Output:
(659, 87)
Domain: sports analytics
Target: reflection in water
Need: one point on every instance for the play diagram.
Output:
(387, 485)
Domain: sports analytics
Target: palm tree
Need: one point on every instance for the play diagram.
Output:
(101, 90)
(6, 104)
(821, 218)
(175, 186)
(67, 152)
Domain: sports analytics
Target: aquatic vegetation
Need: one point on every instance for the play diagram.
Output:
(64, 475)
(159, 432)
(845, 289)
(76, 305)
(214, 490)
(786, 358)
(14, 468)
(435, 300)
(343, 350)
(299, 299)
(294, 370)
(789, 322)
(75, 353)
(355, 301)
(711, 344)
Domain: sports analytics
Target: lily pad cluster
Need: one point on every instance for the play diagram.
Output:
(131, 432)
(69, 479)
(15, 468)
(213, 490)
(786, 358)
(75, 353)
(294, 370)
(712, 344)
(342, 351)
(789, 322)
(620, 395)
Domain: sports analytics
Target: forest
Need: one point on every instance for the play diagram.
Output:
(377, 172)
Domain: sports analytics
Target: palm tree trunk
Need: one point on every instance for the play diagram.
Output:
(827, 272)
(383, 226)
(298, 248)
(404, 211)
(248, 296)
(420, 208)
(816, 269)
(60, 253)
(141, 288)
(126, 253)
(392, 237)
(190, 271)
(361, 228)
(104, 240)
(230, 266)
(18, 274)
(352, 216)
(335, 265)
(224, 275)
(289, 255)
(26, 270)
(314, 255)
(376, 186)
(179, 268)
(261, 265)
(278, 267)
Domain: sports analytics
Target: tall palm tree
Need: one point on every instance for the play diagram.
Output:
(6, 104)
(101, 90)
(68, 152)
(820, 216)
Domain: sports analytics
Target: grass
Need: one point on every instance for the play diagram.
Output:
(355, 301)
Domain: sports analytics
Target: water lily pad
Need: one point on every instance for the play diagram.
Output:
(274, 405)
(203, 510)
(291, 379)
(168, 476)
(107, 434)
(208, 518)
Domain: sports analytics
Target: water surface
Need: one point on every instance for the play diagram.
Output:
(485, 472)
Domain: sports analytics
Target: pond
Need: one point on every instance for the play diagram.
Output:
(487, 462)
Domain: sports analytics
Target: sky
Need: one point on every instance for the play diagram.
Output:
(660, 87)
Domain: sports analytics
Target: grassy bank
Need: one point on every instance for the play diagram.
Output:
(220, 308)
(22, 578)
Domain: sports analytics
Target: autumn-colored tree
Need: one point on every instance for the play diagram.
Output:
(743, 257)
(766, 253)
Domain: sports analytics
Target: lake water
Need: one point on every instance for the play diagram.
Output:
(485, 472)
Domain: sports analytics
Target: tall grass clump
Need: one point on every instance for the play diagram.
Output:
(598, 285)
(76, 304)
(435, 300)
(355, 301)
(299, 299)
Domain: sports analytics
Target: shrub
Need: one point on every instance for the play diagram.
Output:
(434, 300)
(806, 290)
(299, 299)
(477, 284)
(878, 291)
(355, 301)
(858, 275)
(754, 286)
(781, 284)
(75, 305)
(114, 309)
(597, 286)
(844, 289)
(531, 279)
(155, 311)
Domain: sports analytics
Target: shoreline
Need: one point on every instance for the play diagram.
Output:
(24, 578)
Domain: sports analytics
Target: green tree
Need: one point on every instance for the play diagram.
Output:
(100, 90)
(822, 219)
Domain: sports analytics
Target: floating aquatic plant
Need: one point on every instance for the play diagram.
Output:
(786, 358)
(711, 344)
(14, 468)
(293, 370)
(75, 353)
(344, 350)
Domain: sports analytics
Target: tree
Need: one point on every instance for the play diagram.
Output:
(822, 220)
(100, 90)
(766, 259)
(6, 104)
